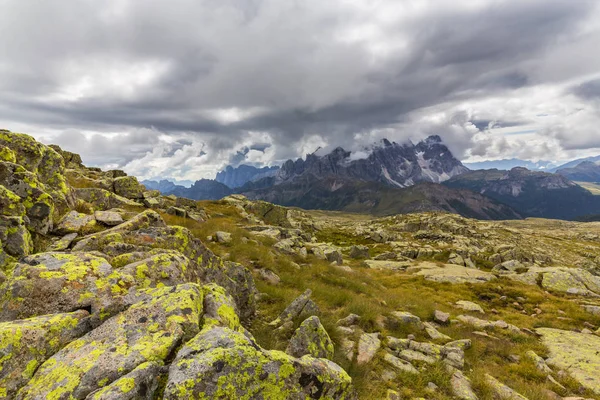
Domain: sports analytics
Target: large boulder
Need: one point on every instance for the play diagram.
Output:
(129, 187)
(149, 331)
(223, 363)
(574, 352)
(26, 344)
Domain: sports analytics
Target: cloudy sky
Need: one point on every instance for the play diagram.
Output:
(181, 88)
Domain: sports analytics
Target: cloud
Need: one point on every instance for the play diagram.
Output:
(181, 88)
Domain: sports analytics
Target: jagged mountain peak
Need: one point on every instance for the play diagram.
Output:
(399, 165)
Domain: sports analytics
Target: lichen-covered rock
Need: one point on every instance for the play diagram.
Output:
(219, 308)
(469, 306)
(47, 283)
(139, 384)
(461, 387)
(75, 222)
(63, 243)
(109, 218)
(399, 364)
(368, 345)
(164, 268)
(14, 237)
(149, 331)
(311, 338)
(501, 391)
(359, 252)
(453, 273)
(575, 352)
(102, 199)
(223, 237)
(26, 344)
(222, 363)
(300, 308)
(129, 187)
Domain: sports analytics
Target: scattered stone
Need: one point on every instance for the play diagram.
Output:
(63, 243)
(223, 237)
(75, 222)
(399, 365)
(502, 391)
(358, 252)
(391, 265)
(301, 308)
(469, 306)
(368, 345)
(109, 218)
(351, 319)
(441, 317)
(311, 338)
(461, 387)
(434, 333)
(404, 318)
(269, 276)
(452, 273)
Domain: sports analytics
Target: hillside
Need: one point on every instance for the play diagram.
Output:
(531, 194)
(586, 171)
(334, 193)
(112, 291)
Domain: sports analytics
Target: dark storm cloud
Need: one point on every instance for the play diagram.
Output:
(216, 70)
(589, 90)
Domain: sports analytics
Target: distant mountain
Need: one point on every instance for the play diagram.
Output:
(393, 164)
(530, 193)
(574, 163)
(586, 171)
(164, 186)
(237, 177)
(344, 194)
(204, 189)
(508, 164)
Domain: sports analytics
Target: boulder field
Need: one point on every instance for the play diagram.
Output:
(101, 299)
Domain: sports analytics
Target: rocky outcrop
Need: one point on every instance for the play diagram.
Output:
(125, 306)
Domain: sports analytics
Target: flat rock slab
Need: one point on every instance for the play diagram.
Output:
(385, 264)
(452, 273)
(574, 352)
(109, 218)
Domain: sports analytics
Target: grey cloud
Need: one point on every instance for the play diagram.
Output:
(177, 63)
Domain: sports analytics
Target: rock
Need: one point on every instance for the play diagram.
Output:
(389, 255)
(223, 237)
(311, 338)
(269, 276)
(434, 334)
(469, 306)
(26, 344)
(351, 319)
(441, 317)
(483, 324)
(358, 252)
(348, 347)
(595, 310)
(129, 187)
(509, 266)
(220, 362)
(103, 199)
(139, 384)
(452, 273)
(399, 365)
(220, 309)
(404, 318)
(147, 331)
(461, 387)
(301, 308)
(333, 255)
(109, 218)
(393, 395)
(391, 265)
(380, 236)
(416, 356)
(285, 246)
(501, 391)
(575, 352)
(177, 211)
(75, 222)
(63, 243)
(368, 345)
(47, 283)
(456, 260)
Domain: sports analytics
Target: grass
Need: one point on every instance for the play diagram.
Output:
(373, 293)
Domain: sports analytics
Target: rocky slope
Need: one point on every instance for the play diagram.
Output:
(378, 199)
(101, 299)
(531, 194)
(587, 171)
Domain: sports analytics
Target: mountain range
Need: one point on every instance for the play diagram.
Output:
(390, 178)
(511, 163)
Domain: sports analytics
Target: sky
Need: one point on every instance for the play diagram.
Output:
(181, 88)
